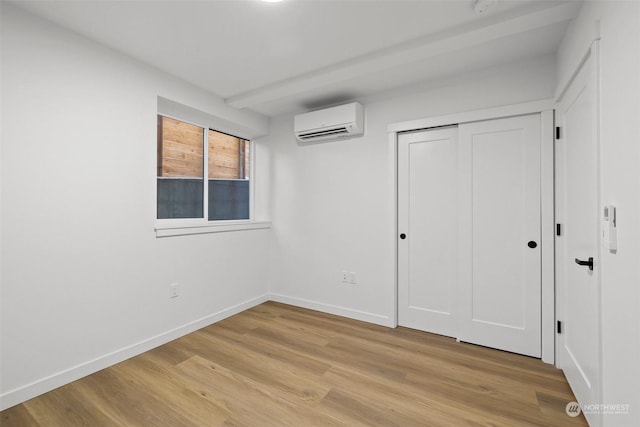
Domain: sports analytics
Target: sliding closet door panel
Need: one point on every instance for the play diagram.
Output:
(427, 221)
(499, 187)
(499, 202)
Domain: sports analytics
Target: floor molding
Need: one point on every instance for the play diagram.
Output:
(36, 388)
(334, 309)
(279, 364)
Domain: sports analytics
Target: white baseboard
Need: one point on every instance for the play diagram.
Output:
(334, 309)
(24, 393)
(36, 388)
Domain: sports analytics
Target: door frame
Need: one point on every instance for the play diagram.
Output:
(547, 203)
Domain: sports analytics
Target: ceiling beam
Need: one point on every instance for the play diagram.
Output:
(406, 53)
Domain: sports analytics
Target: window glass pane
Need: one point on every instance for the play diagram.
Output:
(228, 177)
(180, 169)
(228, 156)
(228, 199)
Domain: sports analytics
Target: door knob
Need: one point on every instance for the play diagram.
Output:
(403, 236)
(532, 244)
(588, 263)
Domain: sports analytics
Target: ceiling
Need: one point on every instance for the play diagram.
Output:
(280, 58)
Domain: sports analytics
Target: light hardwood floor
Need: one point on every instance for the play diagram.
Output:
(278, 365)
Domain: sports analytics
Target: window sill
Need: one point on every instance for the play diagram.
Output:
(184, 229)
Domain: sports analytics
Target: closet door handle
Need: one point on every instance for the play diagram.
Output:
(403, 236)
(588, 263)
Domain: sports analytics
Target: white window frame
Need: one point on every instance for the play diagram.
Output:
(185, 226)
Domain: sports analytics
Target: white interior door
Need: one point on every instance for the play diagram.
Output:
(499, 234)
(427, 222)
(577, 201)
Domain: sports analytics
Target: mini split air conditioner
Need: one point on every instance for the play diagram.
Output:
(344, 121)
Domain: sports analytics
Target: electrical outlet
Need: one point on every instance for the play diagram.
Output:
(353, 278)
(345, 277)
(173, 290)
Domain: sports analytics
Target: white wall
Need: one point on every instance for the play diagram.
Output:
(333, 206)
(84, 279)
(620, 140)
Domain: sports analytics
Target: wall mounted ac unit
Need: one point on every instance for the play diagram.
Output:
(331, 123)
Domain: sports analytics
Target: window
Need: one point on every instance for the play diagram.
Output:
(183, 162)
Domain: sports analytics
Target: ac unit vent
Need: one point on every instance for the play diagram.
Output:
(328, 132)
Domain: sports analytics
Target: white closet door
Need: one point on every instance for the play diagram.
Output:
(427, 223)
(499, 234)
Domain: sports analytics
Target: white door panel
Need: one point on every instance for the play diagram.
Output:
(578, 286)
(499, 206)
(427, 216)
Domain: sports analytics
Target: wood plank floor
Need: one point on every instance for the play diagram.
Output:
(278, 365)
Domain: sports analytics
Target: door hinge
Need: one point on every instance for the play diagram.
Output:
(558, 230)
(559, 327)
(557, 132)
